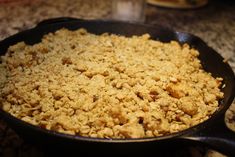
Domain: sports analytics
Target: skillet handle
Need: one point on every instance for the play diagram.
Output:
(57, 20)
(217, 136)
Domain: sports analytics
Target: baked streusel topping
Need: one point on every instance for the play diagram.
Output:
(107, 86)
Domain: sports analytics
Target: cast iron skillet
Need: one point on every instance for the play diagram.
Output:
(212, 132)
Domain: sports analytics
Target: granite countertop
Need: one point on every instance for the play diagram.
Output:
(215, 24)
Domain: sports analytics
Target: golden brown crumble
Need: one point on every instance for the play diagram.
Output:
(107, 86)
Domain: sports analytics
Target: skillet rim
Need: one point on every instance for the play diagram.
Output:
(217, 114)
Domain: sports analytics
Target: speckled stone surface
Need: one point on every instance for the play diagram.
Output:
(215, 24)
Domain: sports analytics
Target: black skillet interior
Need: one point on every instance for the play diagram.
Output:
(211, 61)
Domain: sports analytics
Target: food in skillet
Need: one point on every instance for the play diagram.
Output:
(107, 86)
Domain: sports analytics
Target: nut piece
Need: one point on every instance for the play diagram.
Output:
(188, 106)
(176, 90)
